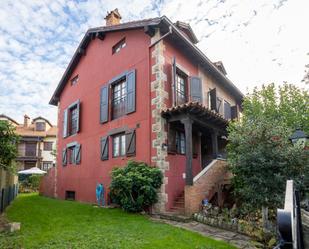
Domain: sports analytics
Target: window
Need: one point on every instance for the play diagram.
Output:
(116, 48)
(119, 94)
(71, 154)
(119, 145)
(73, 118)
(40, 126)
(219, 105)
(47, 165)
(181, 91)
(48, 146)
(70, 195)
(180, 142)
(74, 80)
(227, 110)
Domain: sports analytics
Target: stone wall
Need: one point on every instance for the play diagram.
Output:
(158, 102)
(205, 185)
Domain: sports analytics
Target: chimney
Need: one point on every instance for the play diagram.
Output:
(113, 18)
(26, 120)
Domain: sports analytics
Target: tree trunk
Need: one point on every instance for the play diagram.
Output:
(265, 217)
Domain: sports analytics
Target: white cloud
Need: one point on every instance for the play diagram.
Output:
(258, 41)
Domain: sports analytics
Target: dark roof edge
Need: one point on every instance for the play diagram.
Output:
(206, 60)
(7, 117)
(136, 25)
(40, 117)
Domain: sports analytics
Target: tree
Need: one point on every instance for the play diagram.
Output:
(260, 155)
(134, 187)
(8, 145)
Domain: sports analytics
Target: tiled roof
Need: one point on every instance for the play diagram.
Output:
(31, 132)
(194, 108)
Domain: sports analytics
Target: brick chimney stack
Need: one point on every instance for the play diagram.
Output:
(113, 18)
(26, 120)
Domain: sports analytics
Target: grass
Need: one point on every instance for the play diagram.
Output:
(49, 223)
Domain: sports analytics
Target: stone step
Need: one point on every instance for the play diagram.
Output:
(174, 217)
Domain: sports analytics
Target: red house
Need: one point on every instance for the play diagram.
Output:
(142, 90)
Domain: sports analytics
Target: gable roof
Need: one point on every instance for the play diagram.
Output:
(40, 117)
(148, 25)
(8, 118)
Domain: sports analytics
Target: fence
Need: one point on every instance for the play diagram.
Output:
(289, 220)
(7, 195)
(8, 188)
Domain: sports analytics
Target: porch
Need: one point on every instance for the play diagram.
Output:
(208, 128)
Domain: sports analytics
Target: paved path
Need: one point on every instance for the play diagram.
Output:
(240, 241)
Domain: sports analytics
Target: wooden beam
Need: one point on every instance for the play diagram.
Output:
(149, 31)
(101, 35)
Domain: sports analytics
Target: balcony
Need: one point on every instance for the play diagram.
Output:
(29, 154)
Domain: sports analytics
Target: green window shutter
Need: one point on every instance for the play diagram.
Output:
(104, 104)
(213, 99)
(104, 148)
(171, 147)
(196, 89)
(77, 153)
(234, 112)
(78, 115)
(130, 143)
(65, 123)
(131, 91)
(64, 157)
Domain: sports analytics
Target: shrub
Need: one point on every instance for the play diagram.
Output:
(134, 187)
(29, 183)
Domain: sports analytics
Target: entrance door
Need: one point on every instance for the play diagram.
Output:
(206, 149)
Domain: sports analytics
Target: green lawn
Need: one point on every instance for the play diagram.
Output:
(49, 223)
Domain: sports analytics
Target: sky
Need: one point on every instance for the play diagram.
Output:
(259, 42)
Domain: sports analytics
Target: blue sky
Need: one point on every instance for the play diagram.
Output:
(259, 41)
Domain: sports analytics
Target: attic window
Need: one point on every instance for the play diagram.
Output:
(74, 80)
(40, 126)
(121, 44)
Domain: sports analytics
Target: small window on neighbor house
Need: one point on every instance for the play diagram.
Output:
(119, 145)
(47, 165)
(40, 126)
(121, 44)
(48, 146)
(74, 80)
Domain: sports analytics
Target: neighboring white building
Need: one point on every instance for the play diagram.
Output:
(37, 143)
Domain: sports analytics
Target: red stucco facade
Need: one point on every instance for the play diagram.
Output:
(96, 67)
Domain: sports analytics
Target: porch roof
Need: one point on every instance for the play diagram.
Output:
(197, 113)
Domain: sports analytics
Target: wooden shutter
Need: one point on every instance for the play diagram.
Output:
(213, 99)
(104, 104)
(78, 115)
(227, 110)
(196, 89)
(104, 148)
(130, 143)
(77, 153)
(64, 157)
(174, 81)
(65, 123)
(171, 139)
(234, 112)
(131, 92)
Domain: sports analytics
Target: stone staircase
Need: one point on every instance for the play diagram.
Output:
(179, 204)
(206, 184)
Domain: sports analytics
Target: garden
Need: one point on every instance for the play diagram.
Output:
(50, 223)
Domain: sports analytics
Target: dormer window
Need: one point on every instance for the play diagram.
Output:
(74, 80)
(121, 44)
(40, 126)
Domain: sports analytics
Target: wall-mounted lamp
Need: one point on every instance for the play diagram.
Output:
(164, 146)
